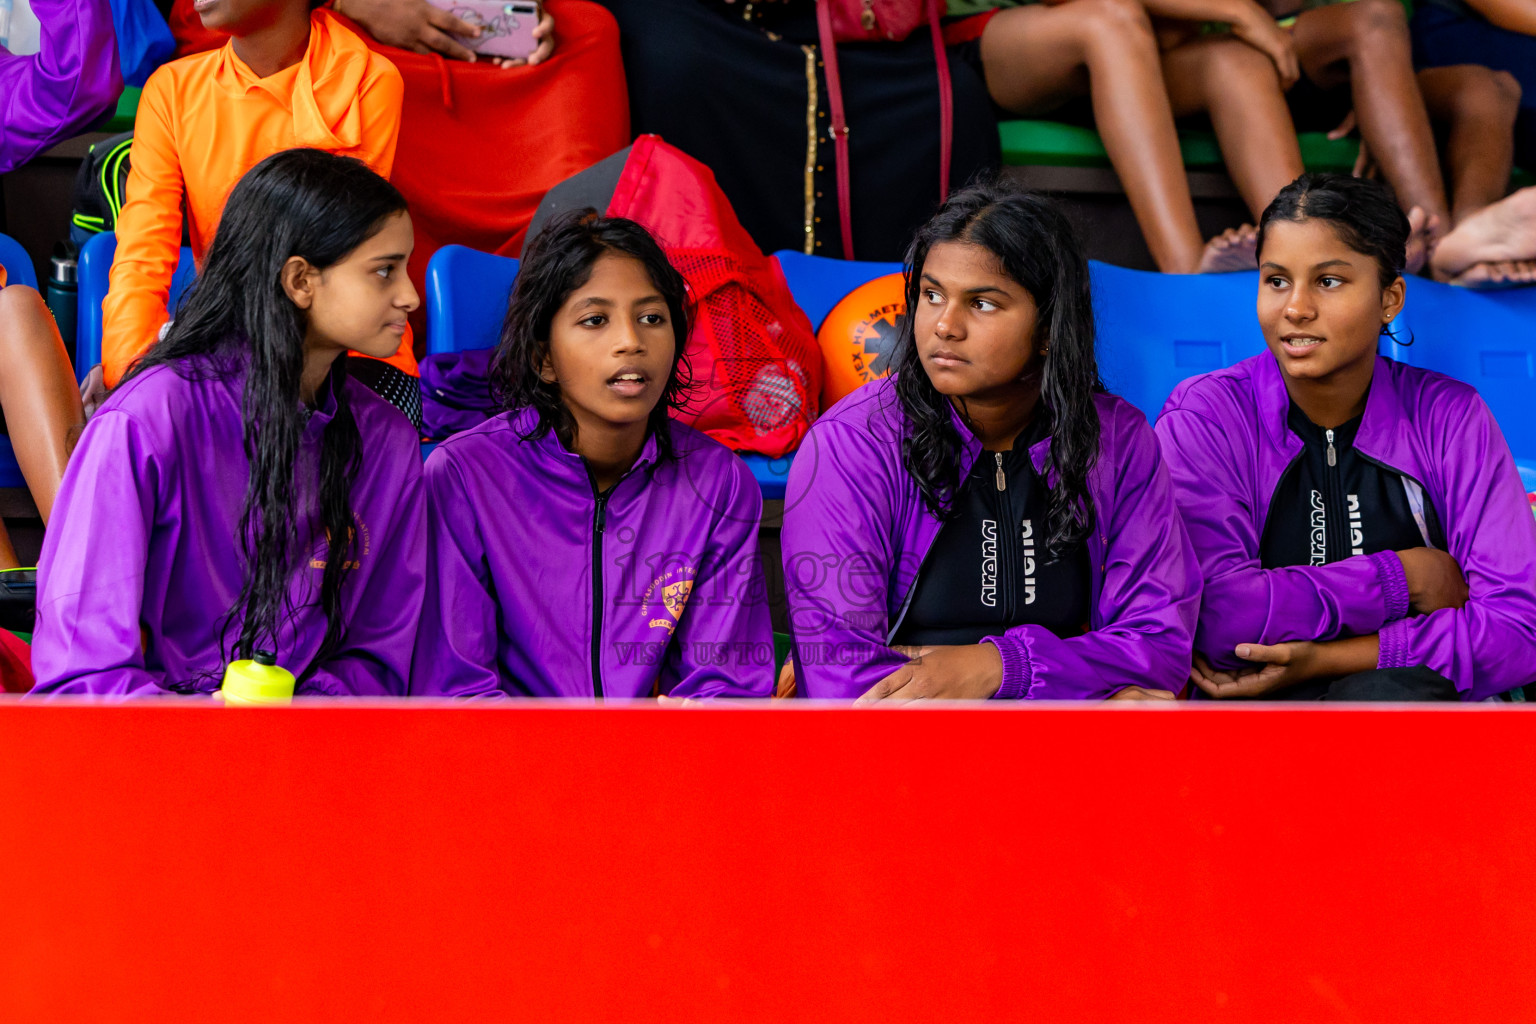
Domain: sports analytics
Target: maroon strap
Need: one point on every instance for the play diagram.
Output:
(946, 98)
(840, 121)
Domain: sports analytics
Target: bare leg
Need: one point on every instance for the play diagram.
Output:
(1038, 56)
(1240, 89)
(1477, 106)
(1366, 44)
(38, 393)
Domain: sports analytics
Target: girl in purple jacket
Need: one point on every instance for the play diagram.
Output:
(583, 543)
(238, 492)
(988, 522)
(1360, 523)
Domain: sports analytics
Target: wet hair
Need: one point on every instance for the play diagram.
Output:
(312, 204)
(1039, 250)
(1363, 212)
(558, 262)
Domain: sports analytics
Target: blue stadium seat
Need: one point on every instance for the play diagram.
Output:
(94, 277)
(17, 264)
(1155, 330)
(18, 270)
(819, 283)
(1487, 339)
(467, 292)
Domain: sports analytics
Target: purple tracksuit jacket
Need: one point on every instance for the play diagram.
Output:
(141, 562)
(536, 587)
(856, 532)
(1225, 437)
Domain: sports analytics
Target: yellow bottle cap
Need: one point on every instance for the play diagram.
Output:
(257, 681)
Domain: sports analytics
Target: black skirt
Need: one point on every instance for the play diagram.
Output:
(741, 88)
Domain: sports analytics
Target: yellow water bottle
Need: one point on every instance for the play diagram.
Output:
(260, 680)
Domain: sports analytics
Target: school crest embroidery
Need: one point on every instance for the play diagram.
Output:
(666, 598)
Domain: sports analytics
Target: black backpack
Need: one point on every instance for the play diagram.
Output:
(101, 188)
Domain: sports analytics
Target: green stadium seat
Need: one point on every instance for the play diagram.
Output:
(1054, 144)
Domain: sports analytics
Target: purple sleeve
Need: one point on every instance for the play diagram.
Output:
(838, 558)
(1148, 600)
(1245, 603)
(59, 92)
(724, 641)
(93, 564)
(1488, 646)
(456, 646)
(374, 659)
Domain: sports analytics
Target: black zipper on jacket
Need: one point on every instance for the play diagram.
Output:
(599, 517)
(599, 521)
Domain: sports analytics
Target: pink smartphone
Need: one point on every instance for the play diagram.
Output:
(506, 26)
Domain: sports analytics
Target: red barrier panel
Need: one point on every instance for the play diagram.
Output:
(345, 863)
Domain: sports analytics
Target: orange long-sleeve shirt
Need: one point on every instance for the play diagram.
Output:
(203, 122)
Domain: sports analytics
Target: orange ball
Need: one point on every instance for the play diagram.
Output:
(858, 338)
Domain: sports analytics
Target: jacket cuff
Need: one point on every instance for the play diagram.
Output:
(1393, 640)
(1018, 670)
(1393, 582)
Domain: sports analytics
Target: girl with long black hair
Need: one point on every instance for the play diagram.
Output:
(238, 492)
(988, 522)
(583, 543)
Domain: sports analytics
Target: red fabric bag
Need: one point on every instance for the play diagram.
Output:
(753, 355)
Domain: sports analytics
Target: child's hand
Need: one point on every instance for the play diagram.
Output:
(544, 32)
(93, 391)
(1259, 31)
(965, 672)
(412, 25)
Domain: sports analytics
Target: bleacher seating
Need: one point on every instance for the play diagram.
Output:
(1054, 144)
(1154, 330)
(466, 299)
(1487, 339)
(95, 269)
(17, 264)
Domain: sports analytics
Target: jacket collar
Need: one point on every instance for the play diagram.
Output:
(1381, 435)
(549, 446)
(970, 449)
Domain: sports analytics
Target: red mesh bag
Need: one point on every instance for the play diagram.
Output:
(755, 362)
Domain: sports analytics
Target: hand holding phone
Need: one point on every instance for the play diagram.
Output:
(506, 26)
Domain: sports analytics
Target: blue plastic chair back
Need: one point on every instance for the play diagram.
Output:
(1488, 340)
(95, 270)
(819, 283)
(17, 264)
(1156, 330)
(467, 293)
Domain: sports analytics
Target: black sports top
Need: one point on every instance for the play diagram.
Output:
(987, 570)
